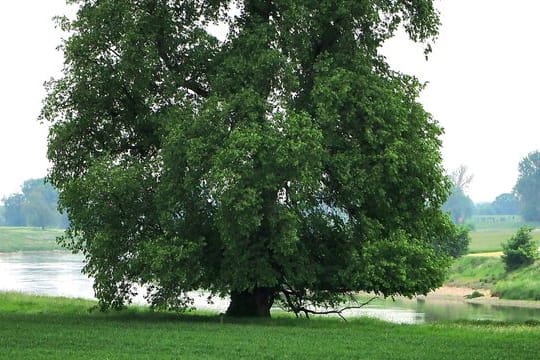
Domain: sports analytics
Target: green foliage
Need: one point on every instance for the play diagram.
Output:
(520, 250)
(475, 294)
(455, 244)
(36, 205)
(287, 159)
(527, 187)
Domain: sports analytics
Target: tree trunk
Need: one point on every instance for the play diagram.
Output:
(256, 303)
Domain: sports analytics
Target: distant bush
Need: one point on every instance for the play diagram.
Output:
(519, 250)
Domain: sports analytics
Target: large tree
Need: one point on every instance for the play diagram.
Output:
(285, 162)
(527, 188)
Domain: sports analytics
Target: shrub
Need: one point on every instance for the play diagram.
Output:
(474, 294)
(519, 250)
(458, 243)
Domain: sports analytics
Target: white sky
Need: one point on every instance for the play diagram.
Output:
(483, 77)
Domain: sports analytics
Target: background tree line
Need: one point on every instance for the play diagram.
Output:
(524, 200)
(36, 205)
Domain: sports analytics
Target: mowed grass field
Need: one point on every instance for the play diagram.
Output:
(491, 240)
(28, 239)
(34, 327)
(491, 231)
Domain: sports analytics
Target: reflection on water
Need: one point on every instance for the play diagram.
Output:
(433, 310)
(59, 274)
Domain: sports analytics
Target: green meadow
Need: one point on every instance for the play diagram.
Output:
(39, 327)
(489, 232)
(28, 239)
(33, 327)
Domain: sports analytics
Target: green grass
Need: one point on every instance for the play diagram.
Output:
(489, 272)
(28, 239)
(476, 272)
(520, 284)
(491, 231)
(53, 328)
(491, 240)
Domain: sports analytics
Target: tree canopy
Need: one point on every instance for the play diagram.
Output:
(527, 188)
(504, 204)
(286, 162)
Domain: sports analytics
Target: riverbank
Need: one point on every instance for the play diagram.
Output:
(51, 328)
(28, 239)
(488, 272)
(482, 297)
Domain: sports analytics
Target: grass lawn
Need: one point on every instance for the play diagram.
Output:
(52, 328)
(28, 239)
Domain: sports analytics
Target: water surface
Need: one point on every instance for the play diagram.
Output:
(58, 273)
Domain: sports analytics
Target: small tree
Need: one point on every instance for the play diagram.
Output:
(520, 250)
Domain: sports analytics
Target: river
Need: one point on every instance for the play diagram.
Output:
(58, 273)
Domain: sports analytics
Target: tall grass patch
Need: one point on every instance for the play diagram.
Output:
(520, 284)
(476, 271)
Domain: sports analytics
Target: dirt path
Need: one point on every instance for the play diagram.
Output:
(487, 254)
(455, 292)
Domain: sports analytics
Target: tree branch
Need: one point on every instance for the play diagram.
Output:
(172, 66)
(339, 312)
(294, 300)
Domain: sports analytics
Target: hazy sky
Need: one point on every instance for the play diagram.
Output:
(483, 78)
